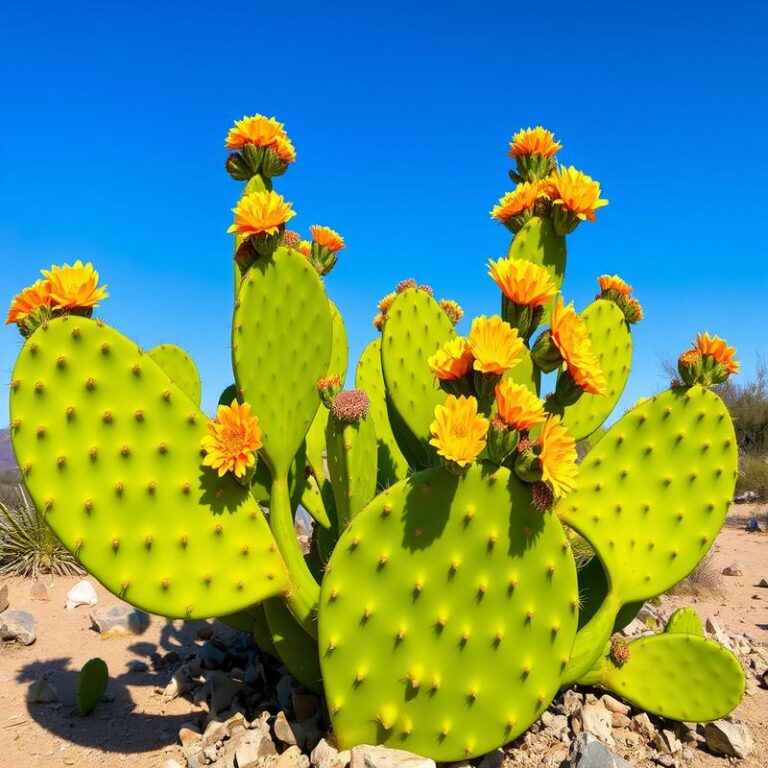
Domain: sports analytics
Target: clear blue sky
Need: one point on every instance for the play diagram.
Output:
(114, 115)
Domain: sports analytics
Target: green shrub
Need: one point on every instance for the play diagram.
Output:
(753, 475)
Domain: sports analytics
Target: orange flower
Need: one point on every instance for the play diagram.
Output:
(614, 283)
(532, 141)
(576, 192)
(261, 213)
(518, 407)
(284, 149)
(258, 130)
(452, 361)
(558, 457)
(378, 321)
(305, 248)
(458, 431)
(75, 287)
(523, 282)
(327, 238)
(569, 333)
(233, 438)
(386, 302)
(496, 345)
(718, 349)
(29, 301)
(520, 199)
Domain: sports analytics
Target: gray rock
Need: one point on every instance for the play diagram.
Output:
(82, 593)
(734, 569)
(180, 683)
(590, 752)
(326, 756)
(223, 690)
(288, 733)
(4, 603)
(20, 626)
(284, 689)
(42, 691)
(292, 758)
(493, 759)
(211, 656)
(306, 707)
(118, 620)
(38, 591)
(367, 756)
(756, 526)
(138, 666)
(730, 739)
(572, 701)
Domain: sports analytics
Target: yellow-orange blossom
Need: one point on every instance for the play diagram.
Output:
(260, 213)
(458, 431)
(496, 345)
(717, 348)
(233, 438)
(523, 282)
(558, 457)
(569, 333)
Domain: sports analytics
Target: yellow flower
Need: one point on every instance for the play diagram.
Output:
(378, 321)
(305, 248)
(27, 302)
(386, 302)
(284, 149)
(452, 361)
(523, 282)
(496, 345)
(75, 287)
(258, 130)
(518, 407)
(327, 238)
(520, 199)
(718, 349)
(614, 283)
(233, 438)
(576, 192)
(458, 431)
(261, 213)
(569, 333)
(558, 457)
(531, 141)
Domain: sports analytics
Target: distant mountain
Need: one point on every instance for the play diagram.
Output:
(7, 460)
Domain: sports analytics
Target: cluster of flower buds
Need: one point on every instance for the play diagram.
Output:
(709, 361)
(64, 290)
(613, 288)
(450, 307)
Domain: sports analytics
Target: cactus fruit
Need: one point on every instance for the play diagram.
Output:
(436, 576)
(181, 370)
(416, 327)
(91, 684)
(612, 343)
(110, 449)
(391, 464)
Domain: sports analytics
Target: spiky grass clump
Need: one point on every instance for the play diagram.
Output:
(28, 547)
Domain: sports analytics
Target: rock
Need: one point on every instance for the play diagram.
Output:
(4, 603)
(713, 627)
(572, 701)
(666, 760)
(326, 756)
(189, 735)
(211, 656)
(762, 583)
(494, 759)
(730, 739)
(82, 593)
(367, 756)
(292, 758)
(667, 743)
(614, 705)
(306, 707)
(288, 733)
(42, 691)
(734, 569)
(635, 628)
(247, 750)
(555, 723)
(20, 626)
(620, 721)
(596, 719)
(589, 752)
(236, 722)
(119, 620)
(138, 666)
(223, 690)
(38, 591)
(756, 526)
(170, 763)
(180, 683)
(642, 724)
(205, 632)
(215, 731)
(211, 753)
(283, 690)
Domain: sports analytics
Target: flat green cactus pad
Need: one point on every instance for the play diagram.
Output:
(414, 330)
(339, 347)
(180, 368)
(109, 448)
(612, 343)
(278, 361)
(537, 242)
(447, 615)
(91, 684)
(685, 621)
(654, 491)
(392, 465)
(678, 675)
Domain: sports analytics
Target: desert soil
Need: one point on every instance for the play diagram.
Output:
(139, 729)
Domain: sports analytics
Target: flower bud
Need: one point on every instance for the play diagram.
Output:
(271, 164)
(502, 440)
(565, 221)
(619, 651)
(350, 405)
(545, 354)
(253, 156)
(567, 391)
(534, 166)
(329, 387)
(689, 364)
(527, 463)
(237, 168)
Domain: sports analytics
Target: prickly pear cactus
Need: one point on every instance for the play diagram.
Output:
(91, 684)
(437, 605)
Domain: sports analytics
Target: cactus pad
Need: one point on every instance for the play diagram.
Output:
(281, 346)
(685, 621)
(91, 684)
(416, 327)
(181, 370)
(447, 615)
(110, 451)
(392, 465)
(612, 343)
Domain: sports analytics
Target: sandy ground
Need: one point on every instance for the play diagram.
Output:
(139, 728)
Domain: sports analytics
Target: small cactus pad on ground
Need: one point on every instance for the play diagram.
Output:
(91, 684)
(392, 465)
(675, 675)
(447, 615)
(279, 354)
(612, 343)
(181, 370)
(416, 327)
(109, 448)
